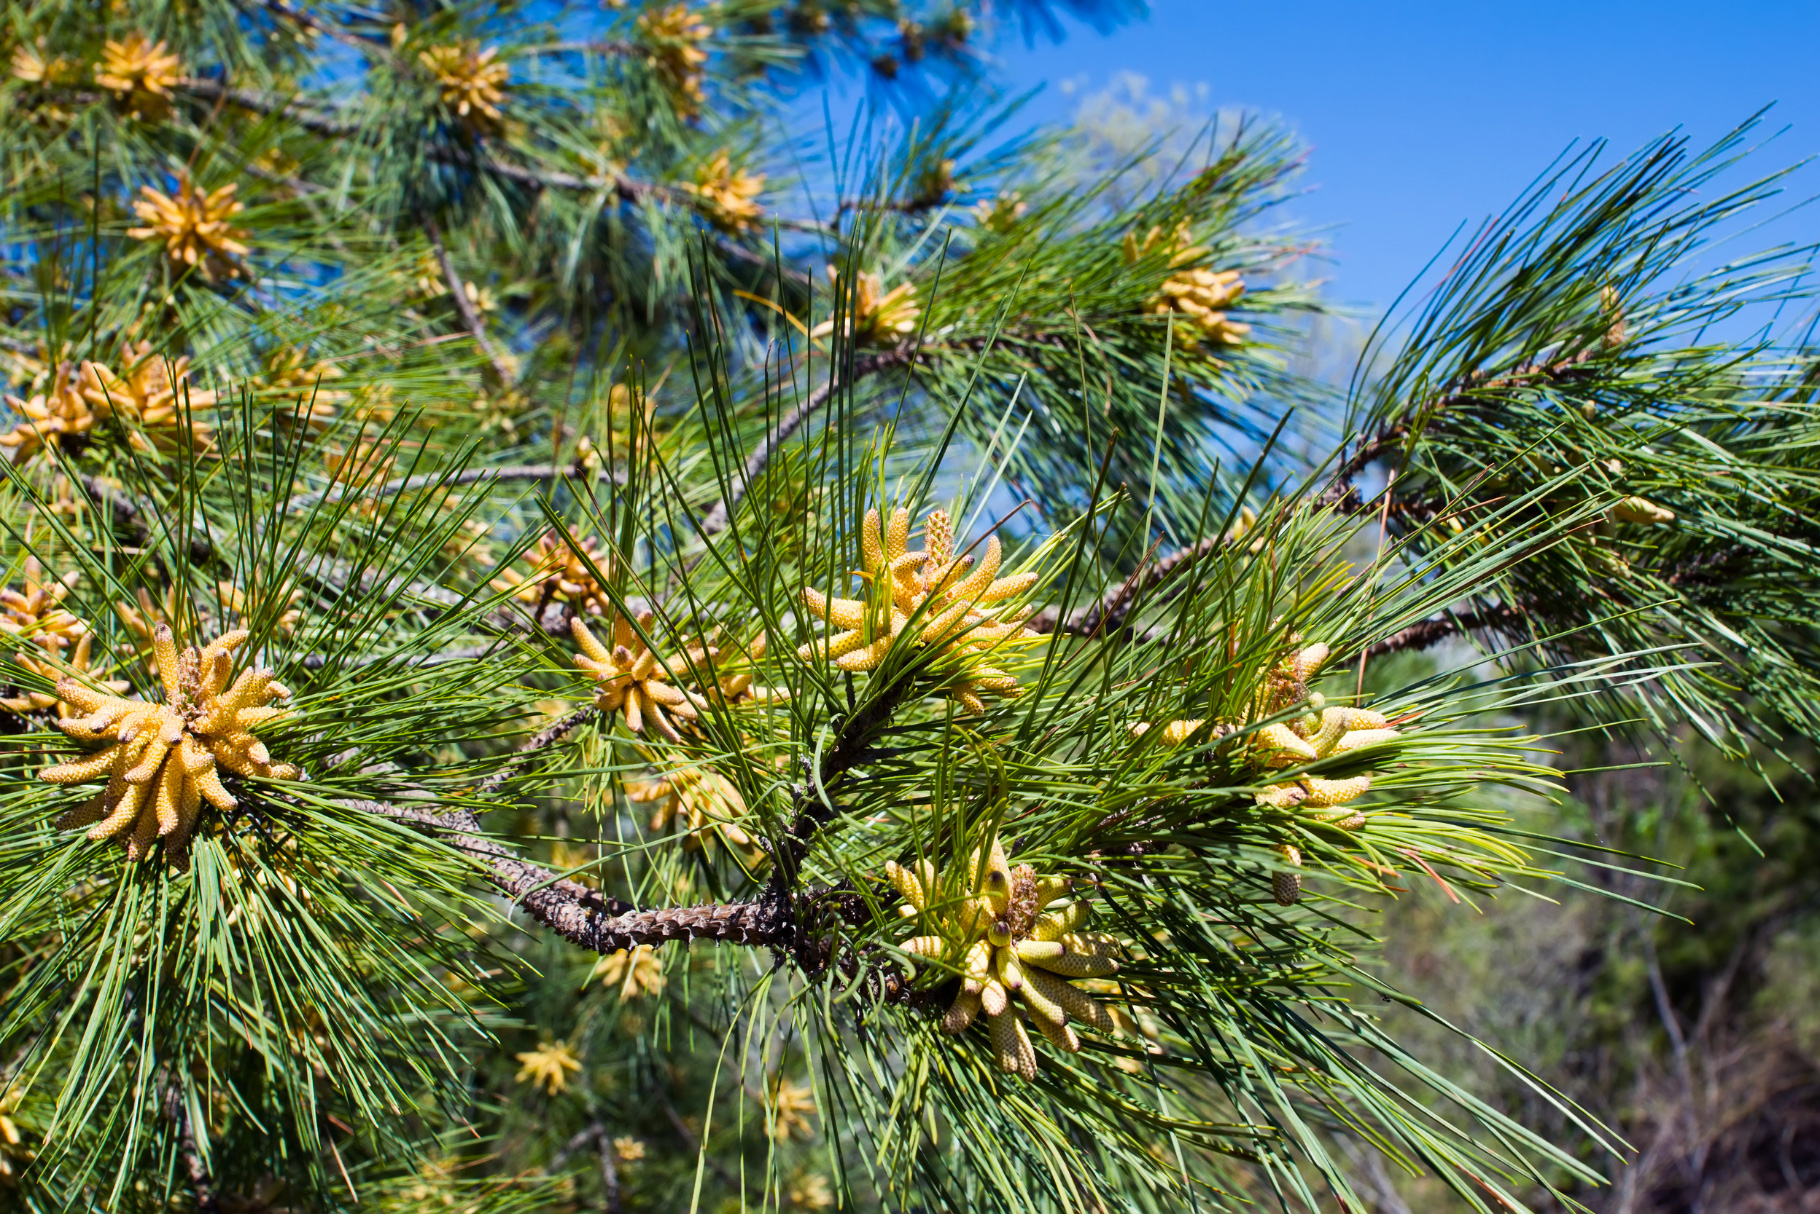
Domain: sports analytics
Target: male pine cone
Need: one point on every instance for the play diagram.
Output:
(161, 761)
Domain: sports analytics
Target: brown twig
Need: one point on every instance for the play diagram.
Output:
(1390, 487)
(721, 513)
(595, 1133)
(580, 1139)
(136, 517)
(309, 117)
(694, 1143)
(1115, 606)
(202, 1185)
(602, 47)
(578, 914)
(541, 741)
(463, 305)
(1467, 390)
(470, 476)
(310, 21)
(1425, 633)
(624, 188)
(609, 1175)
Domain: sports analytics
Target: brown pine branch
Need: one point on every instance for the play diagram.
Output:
(539, 742)
(1427, 633)
(366, 42)
(604, 47)
(1109, 614)
(463, 305)
(581, 1139)
(580, 915)
(609, 1175)
(202, 1185)
(721, 513)
(469, 476)
(312, 118)
(136, 517)
(1470, 389)
(596, 1135)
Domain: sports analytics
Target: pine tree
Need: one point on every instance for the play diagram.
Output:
(574, 647)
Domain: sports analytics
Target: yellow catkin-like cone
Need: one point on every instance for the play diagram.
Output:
(86, 814)
(967, 622)
(1075, 1002)
(1055, 926)
(1285, 884)
(1309, 661)
(961, 1012)
(1324, 793)
(161, 759)
(1042, 1006)
(1079, 965)
(989, 925)
(994, 998)
(1641, 510)
(1011, 1046)
(1059, 1035)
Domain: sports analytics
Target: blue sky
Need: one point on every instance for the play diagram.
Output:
(1423, 115)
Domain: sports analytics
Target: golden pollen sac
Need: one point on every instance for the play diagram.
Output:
(140, 73)
(1326, 731)
(1286, 883)
(161, 761)
(557, 571)
(49, 416)
(153, 393)
(674, 40)
(1192, 293)
(1640, 510)
(877, 317)
(704, 802)
(36, 614)
(1017, 942)
(630, 680)
(728, 195)
(946, 602)
(548, 1066)
(471, 80)
(194, 226)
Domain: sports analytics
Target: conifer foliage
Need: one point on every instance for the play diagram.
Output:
(572, 647)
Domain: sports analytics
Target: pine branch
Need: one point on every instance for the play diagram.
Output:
(605, 47)
(717, 518)
(463, 305)
(609, 1175)
(136, 517)
(1427, 633)
(470, 476)
(1110, 613)
(624, 188)
(580, 1139)
(594, 1134)
(1470, 389)
(366, 42)
(541, 741)
(694, 1144)
(580, 915)
(202, 1185)
(304, 114)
